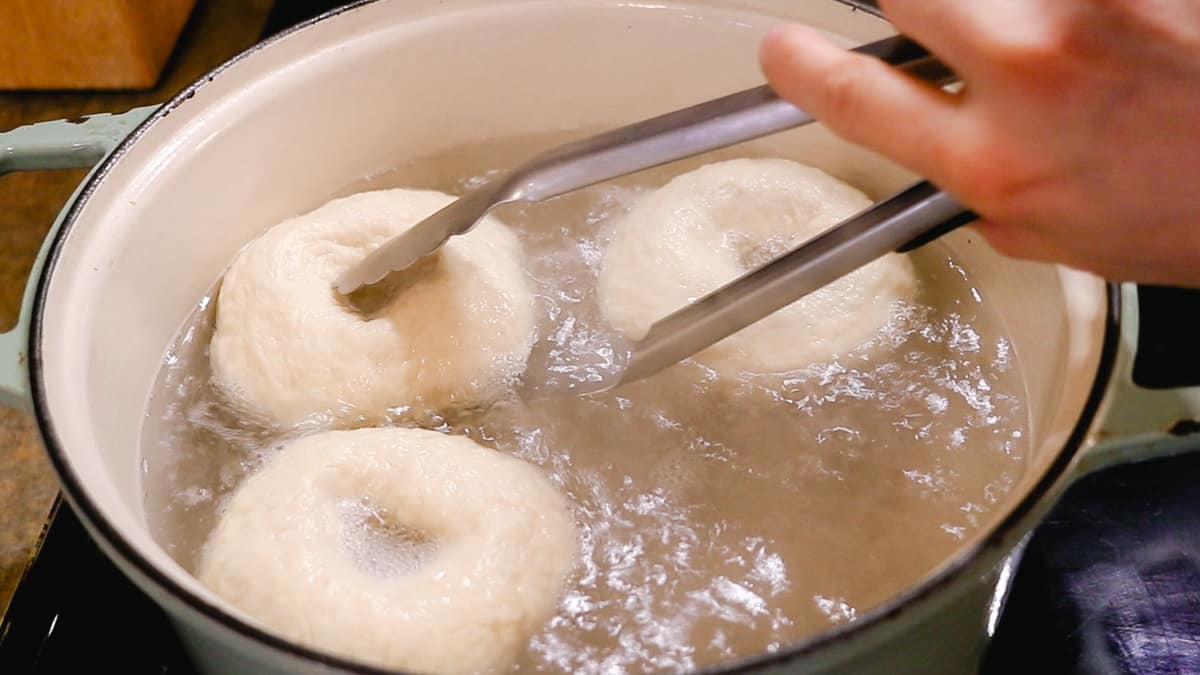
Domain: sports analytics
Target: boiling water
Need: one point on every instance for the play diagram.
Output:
(716, 518)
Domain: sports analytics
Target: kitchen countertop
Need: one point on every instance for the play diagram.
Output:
(29, 202)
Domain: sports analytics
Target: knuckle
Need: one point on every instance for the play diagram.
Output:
(945, 155)
(993, 184)
(1024, 60)
(1043, 57)
(844, 87)
(985, 167)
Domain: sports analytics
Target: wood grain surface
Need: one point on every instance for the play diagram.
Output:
(92, 44)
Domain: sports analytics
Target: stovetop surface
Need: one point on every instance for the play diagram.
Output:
(1110, 583)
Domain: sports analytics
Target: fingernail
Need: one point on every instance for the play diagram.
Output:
(773, 41)
(776, 33)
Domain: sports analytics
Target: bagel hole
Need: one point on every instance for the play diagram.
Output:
(753, 252)
(380, 544)
(369, 301)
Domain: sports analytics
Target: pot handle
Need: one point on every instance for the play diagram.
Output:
(57, 144)
(1138, 422)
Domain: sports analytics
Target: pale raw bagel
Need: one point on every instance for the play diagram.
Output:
(503, 544)
(288, 348)
(710, 226)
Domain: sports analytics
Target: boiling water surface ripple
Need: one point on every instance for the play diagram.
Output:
(717, 518)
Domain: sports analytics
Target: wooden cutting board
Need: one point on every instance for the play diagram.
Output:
(87, 44)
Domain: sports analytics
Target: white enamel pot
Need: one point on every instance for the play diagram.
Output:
(282, 127)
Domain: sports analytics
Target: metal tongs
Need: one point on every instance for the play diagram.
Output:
(902, 222)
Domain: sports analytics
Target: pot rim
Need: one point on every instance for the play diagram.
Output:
(91, 514)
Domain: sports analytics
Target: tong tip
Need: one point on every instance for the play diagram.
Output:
(396, 255)
(354, 279)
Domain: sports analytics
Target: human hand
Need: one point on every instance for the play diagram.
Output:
(1076, 136)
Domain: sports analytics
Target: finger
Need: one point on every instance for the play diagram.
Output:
(958, 33)
(1100, 257)
(1024, 243)
(862, 99)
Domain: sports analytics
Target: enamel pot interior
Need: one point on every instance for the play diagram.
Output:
(286, 126)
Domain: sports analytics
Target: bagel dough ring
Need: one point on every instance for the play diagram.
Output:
(705, 228)
(503, 536)
(288, 348)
